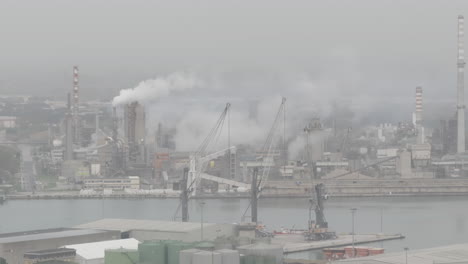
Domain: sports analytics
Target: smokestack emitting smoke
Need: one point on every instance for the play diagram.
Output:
(193, 116)
(460, 88)
(153, 89)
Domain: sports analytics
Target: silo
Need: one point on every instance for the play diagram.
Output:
(186, 256)
(173, 251)
(207, 257)
(229, 256)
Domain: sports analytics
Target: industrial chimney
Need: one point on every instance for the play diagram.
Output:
(76, 106)
(460, 88)
(418, 115)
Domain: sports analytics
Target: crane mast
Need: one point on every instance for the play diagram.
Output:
(266, 163)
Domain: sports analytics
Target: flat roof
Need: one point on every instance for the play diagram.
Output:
(50, 252)
(125, 225)
(46, 234)
(449, 254)
(96, 250)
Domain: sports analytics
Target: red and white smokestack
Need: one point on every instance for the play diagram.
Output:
(76, 104)
(419, 110)
(419, 107)
(76, 90)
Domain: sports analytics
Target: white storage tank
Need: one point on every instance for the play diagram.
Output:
(186, 256)
(205, 257)
(229, 256)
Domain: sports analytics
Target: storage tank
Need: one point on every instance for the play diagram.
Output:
(204, 245)
(186, 256)
(173, 251)
(248, 259)
(152, 252)
(229, 256)
(121, 256)
(263, 250)
(206, 257)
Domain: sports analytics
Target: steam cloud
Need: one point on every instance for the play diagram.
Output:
(149, 91)
(193, 103)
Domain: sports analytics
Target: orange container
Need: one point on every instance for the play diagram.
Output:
(350, 252)
(376, 251)
(362, 251)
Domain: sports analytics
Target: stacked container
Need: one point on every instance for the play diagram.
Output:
(375, 251)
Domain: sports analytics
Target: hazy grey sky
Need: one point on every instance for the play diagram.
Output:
(358, 46)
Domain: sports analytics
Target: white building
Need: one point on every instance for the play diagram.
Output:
(93, 253)
(387, 153)
(130, 182)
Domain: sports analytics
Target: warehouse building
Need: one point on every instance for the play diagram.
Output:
(63, 254)
(13, 246)
(161, 230)
(130, 182)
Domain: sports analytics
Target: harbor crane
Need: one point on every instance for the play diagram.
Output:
(266, 159)
(318, 229)
(199, 162)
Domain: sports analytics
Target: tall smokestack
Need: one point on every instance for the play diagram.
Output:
(419, 111)
(68, 131)
(76, 105)
(460, 88)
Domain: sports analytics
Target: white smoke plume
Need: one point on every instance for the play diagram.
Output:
(297, 148)
(149, 91)
(191, 113)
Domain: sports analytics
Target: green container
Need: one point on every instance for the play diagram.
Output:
(152, 253)
(50, 262)
(204, 245)
(259, 260)
(250, 260)
(269, 259)
(121, 256)
(174, 249)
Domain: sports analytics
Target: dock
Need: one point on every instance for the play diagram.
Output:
(296, 243)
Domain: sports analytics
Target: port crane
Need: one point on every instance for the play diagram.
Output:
(199, 162)
(318, 229)
(266, 158)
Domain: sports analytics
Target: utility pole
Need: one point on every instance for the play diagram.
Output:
(307, 131)
(381, 220)
(406, 254)
(254, 197)
(184, 196)
(202, 204)
(353, 211)
(311, 205)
